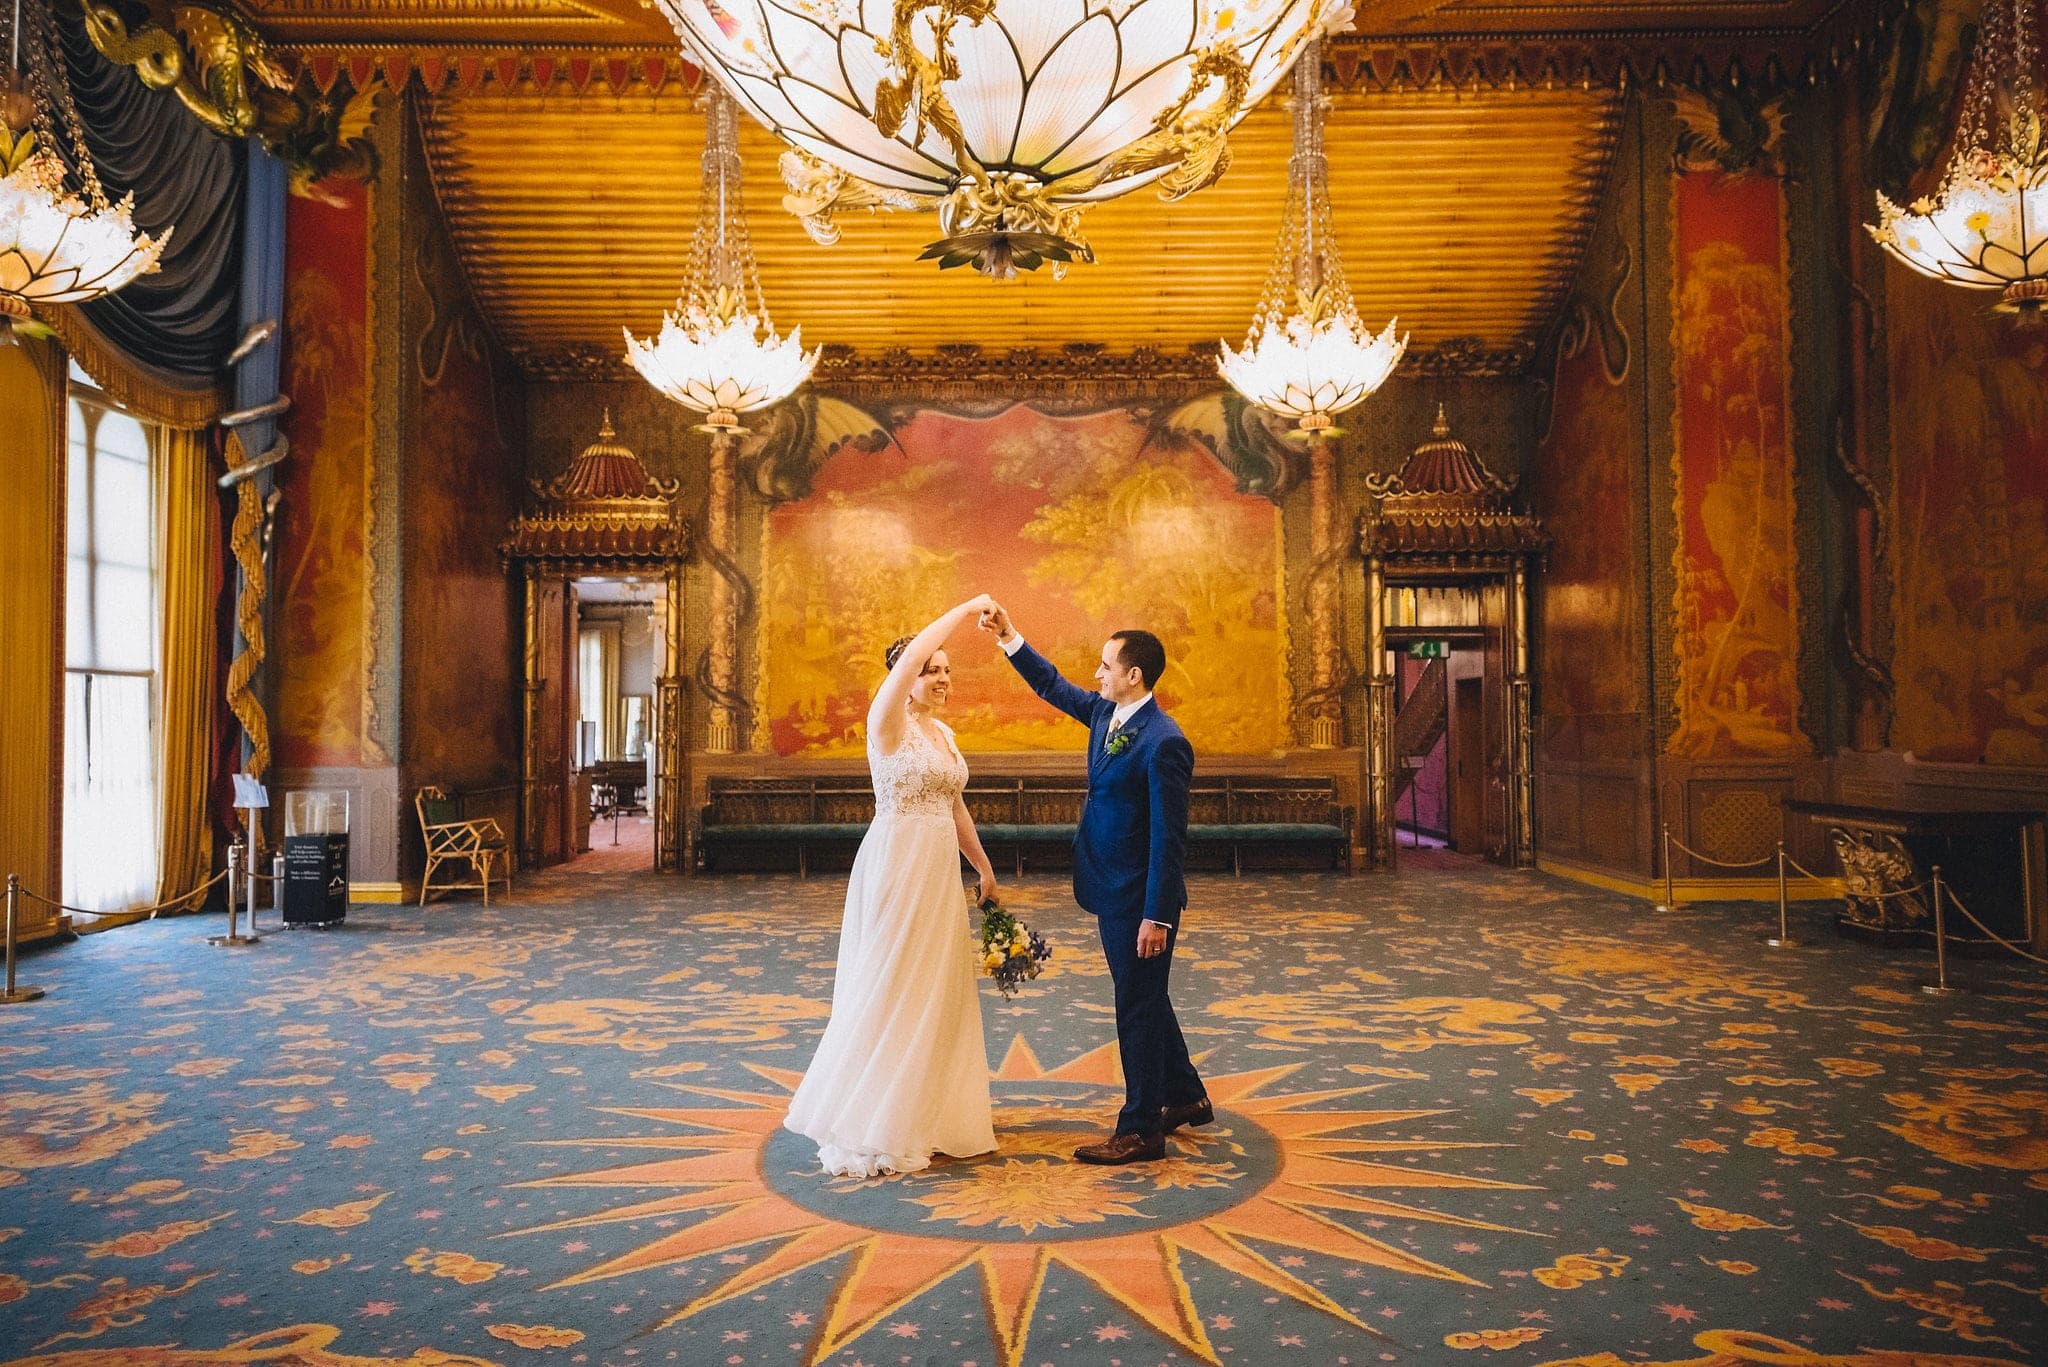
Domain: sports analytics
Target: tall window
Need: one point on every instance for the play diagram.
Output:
(110, 658)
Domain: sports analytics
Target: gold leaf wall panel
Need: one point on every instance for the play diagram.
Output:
(1464, 214)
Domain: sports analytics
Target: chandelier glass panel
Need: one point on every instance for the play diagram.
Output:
(1987, 226)
(1308, 355)
(717, 352)
(61, 240)
(1007, 117)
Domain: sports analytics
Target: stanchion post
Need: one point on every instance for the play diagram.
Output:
(234, 938)
(1670, 902)
(1939, 987)
(1784, 938)
(277, 882)
(15, 994)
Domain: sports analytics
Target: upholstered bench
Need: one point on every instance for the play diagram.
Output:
(771, 823)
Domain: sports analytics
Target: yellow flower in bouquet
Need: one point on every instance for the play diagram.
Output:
(1010, 950)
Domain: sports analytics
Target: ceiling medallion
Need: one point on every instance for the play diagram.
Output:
(1987, 227)
(1308, 355)
(57, 246)
(1006, 117)
(717, 352)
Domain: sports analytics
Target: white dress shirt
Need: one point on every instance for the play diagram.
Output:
(1124, 712)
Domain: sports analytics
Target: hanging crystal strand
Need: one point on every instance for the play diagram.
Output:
(59, 79)
(33, 65)
(1307, 170)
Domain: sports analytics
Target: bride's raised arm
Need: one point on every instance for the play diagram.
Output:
(885, 713)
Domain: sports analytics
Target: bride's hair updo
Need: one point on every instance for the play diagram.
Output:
(894, 652)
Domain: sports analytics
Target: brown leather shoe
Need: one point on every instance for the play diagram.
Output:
(1197, 1112)
(1124, 1148)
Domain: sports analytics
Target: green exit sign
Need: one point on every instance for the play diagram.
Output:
(1426, 650)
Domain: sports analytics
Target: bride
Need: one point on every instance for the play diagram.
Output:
(901, 1072)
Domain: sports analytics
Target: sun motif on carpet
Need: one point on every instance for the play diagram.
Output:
(1277, 1168)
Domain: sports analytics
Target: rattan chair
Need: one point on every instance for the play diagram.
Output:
(453, 838)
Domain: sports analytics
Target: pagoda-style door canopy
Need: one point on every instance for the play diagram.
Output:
(1445, 521)
(604, 513)
(1445, 510)
(603, 516)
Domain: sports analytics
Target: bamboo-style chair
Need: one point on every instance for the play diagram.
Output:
(453, 838)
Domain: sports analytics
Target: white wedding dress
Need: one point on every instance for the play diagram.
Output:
(901, 1072)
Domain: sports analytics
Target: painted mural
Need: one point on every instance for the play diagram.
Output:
(1075, 525)
(1592, 601)
(1735, 606)
(461, 663)
(1970, 516)
(322, 561)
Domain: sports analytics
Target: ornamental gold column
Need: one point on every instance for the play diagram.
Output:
(1376, 791)
(672, 853)
(1324, 709)
(1521, 760)
(721, 537)
(532, 807)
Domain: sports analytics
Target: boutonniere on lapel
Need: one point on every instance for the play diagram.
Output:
(1118, 743)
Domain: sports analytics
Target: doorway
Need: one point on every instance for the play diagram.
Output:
(612, 744)
(605, 740)
(1440, 735)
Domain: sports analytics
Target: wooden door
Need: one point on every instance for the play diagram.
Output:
(550, 693)
(1468, 765)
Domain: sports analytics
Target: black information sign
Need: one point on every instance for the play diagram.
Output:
(315, 879)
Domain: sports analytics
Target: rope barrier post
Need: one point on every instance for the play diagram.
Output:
(1939, 987)
(1670, 902)
(1784, 939)
(234, 939)
(15, 994)
(249, 887)
(277, 882)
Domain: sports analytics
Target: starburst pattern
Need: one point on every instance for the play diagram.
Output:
(706, 1158)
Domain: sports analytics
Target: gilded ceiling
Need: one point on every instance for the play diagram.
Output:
(1469, 145)
(573, 216)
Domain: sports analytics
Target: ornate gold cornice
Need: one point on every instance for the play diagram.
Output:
(528, 57)
(968, 372)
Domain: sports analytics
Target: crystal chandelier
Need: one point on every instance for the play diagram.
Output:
(1004, 116)
(717, 352)
(1308, 355)
(56, 246)
(1987, 227)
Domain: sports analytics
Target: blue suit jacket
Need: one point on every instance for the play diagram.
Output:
(1129, 850)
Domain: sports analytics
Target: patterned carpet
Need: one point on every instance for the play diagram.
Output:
(1462, 1114)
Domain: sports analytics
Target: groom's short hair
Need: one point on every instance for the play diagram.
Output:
(1142, 651)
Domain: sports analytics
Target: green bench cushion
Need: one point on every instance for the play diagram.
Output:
(794, 830)
(1011, 830)
(1289, 831)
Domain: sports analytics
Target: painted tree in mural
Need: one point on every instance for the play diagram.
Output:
(1970, 507)
(1735, 608)
(1072, 521)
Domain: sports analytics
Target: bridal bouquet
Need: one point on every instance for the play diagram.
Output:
(1010, 950)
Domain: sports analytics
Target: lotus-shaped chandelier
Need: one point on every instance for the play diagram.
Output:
(1007, 117)
(57, 245)
(1308, 355)
(1987, 227)
(717, 352)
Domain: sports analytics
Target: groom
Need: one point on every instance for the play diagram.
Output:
(1127, 871)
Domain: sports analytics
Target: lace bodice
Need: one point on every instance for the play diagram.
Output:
(922, 778)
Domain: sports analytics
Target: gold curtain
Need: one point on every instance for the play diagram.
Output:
(32, 497)
(186, 533)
